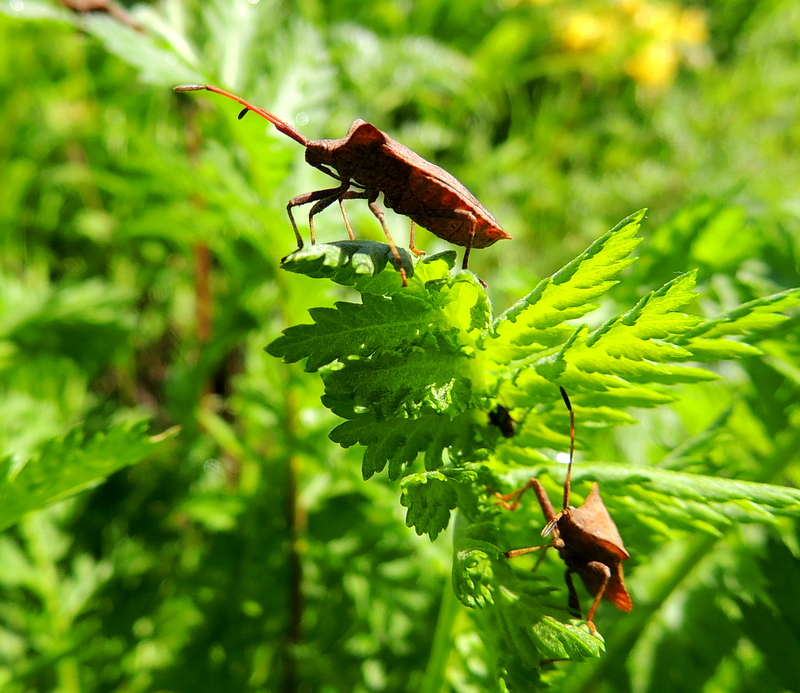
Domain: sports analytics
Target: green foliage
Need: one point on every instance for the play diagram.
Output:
(64, 466)
(405, 368)
(344, 262)
(430, 496)
(672, 501)
(142, 236)
(430, 389)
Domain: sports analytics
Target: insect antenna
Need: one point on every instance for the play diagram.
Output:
(281, 125)
(550, 526)
(567, 483)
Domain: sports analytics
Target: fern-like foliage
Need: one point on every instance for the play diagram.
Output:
(417, 371)
(68, 464)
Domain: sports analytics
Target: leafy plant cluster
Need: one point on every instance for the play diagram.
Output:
(139, 283)
(418, 371)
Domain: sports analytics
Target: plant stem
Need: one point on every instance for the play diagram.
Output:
(436, 671)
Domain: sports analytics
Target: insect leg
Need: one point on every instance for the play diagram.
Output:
(541, 495)
(465, 263)
(605, 571)
(351, 195)
(412, 241)
(378, 212)
(574, 603)
(463, 215)
(528, 549)
(540, 559)
(306, 198)
(322, 204)
(346, 220)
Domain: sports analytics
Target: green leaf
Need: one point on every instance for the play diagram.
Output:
(407, 356)
(687, 501)
(398, 441)
(389, 384)
(473, 578)
(751, 319)
(155, 65)
(516, 612)
(351, 329)
(65, 466)
(430, 496)
(538, 319)
(346, 262)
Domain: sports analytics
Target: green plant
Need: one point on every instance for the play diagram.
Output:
(139, 282)
(416, 371)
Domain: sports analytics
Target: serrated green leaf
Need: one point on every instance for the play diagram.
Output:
(473, 577)
(430, 496)
(690, 500)
(350, 329)
(753, 317)
(655, 317)
(523, 623)
(391, 382)
(69, 464)
(595, 360)
(465, 304)
(719, 349)
(398, 441)
(627, 397)
(539, 317)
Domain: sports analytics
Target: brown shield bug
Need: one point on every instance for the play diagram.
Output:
(586, 538)
(367, 162)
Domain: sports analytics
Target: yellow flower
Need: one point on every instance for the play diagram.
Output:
(692, 26)
(655, 65)
(582, 31)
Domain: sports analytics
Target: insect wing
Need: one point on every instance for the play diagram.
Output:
(616, 592)
(593, 519)
(433, 195)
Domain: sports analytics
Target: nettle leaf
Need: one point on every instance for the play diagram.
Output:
(530, 637)
(632, 347)
(417, 370)
(69, 464)
(473, 577)
(655, 317)
(524, 616)
(433, 378)
(617, 364)
(388, 322)
(430, 496)
(401, 367)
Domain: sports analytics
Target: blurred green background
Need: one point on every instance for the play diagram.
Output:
(139, 252)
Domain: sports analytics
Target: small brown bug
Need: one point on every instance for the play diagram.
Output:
(374, 163)
(500, 417)
(586, 538)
